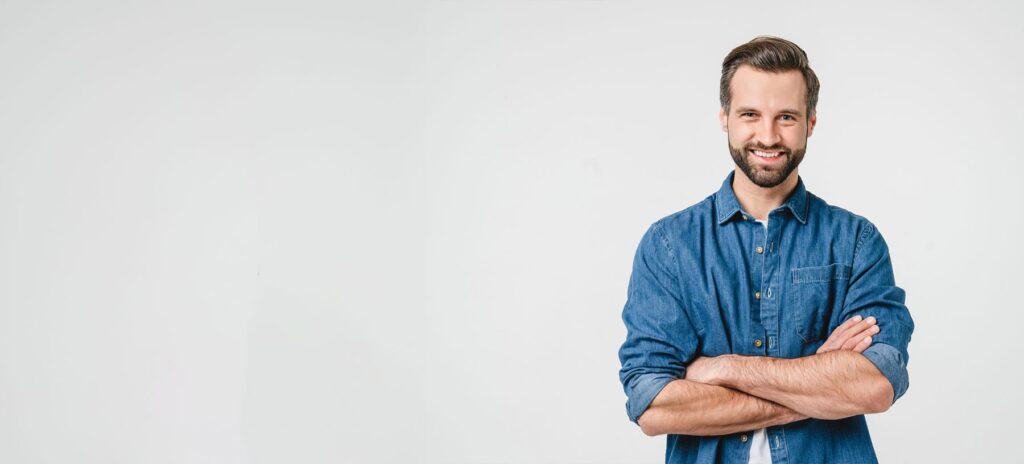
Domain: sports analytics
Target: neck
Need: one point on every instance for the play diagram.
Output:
(757, 200)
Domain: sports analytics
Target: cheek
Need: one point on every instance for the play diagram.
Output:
(739, 135)
(796, 138)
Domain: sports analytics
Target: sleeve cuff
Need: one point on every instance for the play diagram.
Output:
(893, 366)
(643, 392)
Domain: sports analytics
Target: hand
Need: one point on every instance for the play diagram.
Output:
(853, 335)
(706, 369)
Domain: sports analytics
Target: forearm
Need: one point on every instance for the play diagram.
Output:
(830, 385)
(692, 408)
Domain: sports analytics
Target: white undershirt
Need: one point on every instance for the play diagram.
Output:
(759, 452)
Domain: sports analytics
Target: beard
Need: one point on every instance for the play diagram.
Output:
(762, 176)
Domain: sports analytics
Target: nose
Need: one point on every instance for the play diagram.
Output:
(768, 133)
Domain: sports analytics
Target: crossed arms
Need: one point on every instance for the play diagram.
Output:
(731, 393)
(671, 389)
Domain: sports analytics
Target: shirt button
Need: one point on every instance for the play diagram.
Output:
(743, 438)
(759, 250)
(745, 217)
(757, 295)
(758, 343)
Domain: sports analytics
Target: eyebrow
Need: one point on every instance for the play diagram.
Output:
(793, 112)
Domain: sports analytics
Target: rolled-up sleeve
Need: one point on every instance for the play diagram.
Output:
(873, 292)
(660, 339)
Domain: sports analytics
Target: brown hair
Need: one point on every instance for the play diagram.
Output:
(771, 54)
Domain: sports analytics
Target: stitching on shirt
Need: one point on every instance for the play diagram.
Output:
(869, 229)
(656, 227)
(828, 273)
(664, 240)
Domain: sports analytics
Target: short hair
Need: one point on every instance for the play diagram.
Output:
(771, 54)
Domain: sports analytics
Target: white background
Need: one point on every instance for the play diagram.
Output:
(260, 232)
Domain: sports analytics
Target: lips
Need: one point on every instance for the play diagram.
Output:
(767, 155)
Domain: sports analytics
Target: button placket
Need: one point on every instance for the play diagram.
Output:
(758, 268)
(770, 303)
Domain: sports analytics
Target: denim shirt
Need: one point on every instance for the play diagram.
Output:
(709, 281)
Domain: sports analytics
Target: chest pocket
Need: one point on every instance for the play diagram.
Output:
(815, 293)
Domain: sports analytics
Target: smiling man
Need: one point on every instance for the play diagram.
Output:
(763, 323)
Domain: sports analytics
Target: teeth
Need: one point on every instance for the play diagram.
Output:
(766, 154)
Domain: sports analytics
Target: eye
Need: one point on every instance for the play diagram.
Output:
(790, 117)
(746, 114)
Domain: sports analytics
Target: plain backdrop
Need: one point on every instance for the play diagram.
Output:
(381, 232)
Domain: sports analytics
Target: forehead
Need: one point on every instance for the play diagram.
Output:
(767, 90)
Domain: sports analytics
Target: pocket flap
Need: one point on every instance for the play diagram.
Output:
(821, 273)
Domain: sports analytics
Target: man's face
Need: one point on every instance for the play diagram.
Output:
(767, 124)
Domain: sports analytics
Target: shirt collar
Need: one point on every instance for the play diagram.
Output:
(728, 206)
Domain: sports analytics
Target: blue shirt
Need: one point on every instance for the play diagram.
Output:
(709, 281)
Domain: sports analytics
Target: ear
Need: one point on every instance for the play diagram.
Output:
(811, 122)
(723, 119)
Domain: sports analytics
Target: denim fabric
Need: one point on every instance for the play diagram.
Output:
(694, 292)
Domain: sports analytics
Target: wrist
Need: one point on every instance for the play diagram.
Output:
(726, 369)
(788, 415)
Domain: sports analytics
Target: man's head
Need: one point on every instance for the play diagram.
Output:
(768, 95)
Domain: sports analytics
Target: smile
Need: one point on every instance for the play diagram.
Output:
(766, 154)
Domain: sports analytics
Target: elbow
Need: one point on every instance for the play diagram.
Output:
(881, 402)
(879, 392)
(648, 424)
(649, 431)
(881, 398)
(876, 407)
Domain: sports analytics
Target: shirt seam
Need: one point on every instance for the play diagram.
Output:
(677, 274)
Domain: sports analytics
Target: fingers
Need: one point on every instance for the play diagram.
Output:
(849, 334)
(863, 345)
(835, 338)
(845, 326)
(857, 328)
(858, 338)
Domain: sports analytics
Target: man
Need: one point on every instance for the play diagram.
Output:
(763, 323)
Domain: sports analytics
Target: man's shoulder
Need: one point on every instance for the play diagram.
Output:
(836, 216)
(695, 215)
